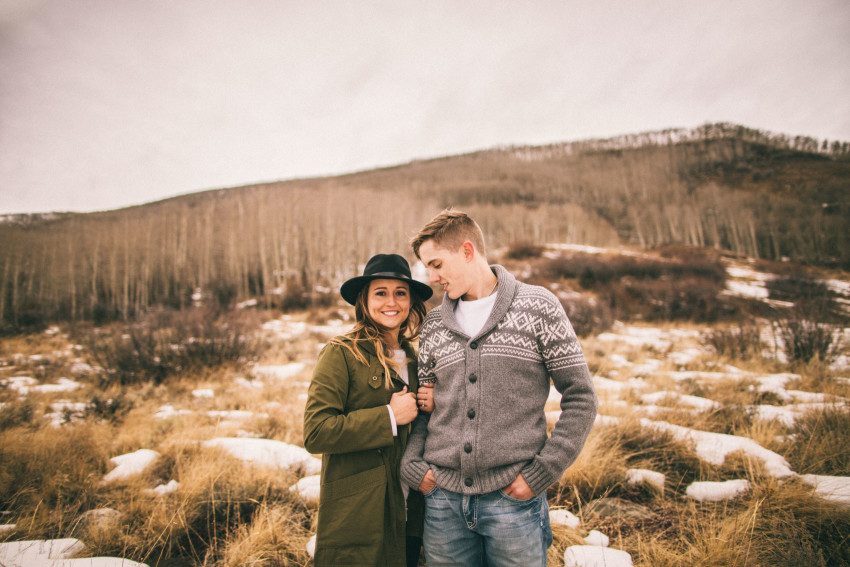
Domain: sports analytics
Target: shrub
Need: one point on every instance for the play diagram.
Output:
(809, 294)
(112, 409)
(805, 339)
(598, 269)
(687, 299)
(685, 288)
(169, 342)
(740, 343)
(588, 315)
(524, 249)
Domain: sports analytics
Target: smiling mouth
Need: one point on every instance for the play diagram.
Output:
(390, 313)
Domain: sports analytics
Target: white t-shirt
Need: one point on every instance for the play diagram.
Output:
(471, 315)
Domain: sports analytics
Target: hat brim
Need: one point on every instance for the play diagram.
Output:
(352, 287)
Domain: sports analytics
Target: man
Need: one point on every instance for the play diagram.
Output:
(483, 458)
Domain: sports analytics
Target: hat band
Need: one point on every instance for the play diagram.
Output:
(396, 275)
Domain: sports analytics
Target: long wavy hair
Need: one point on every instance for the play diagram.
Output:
(366, 329)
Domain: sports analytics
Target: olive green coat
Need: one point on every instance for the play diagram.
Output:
(361, 504)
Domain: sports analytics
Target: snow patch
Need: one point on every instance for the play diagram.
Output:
(307, 488)
(279, 372)
(674, 397)
(55, 553)
(266, 452)
(561, 517)
(641, 476)
(833, 488)
(130, 464)
(717, 491)
(168, 411)
(64, 411)
(597, 538)
(713, 447)
(164, 489)
(595, 556)
(25, 384)
(249, 384)
(787, 415)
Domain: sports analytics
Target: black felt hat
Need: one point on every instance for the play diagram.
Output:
(384, 266)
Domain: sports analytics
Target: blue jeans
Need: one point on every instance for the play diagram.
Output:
(463, 530)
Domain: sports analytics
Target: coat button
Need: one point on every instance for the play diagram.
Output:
(473, 378)
(467, 481)
(374, 378)
(470, 414)
(468, 447)
(473, 346)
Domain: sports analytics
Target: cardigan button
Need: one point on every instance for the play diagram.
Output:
(473, 346)
(470, 414)
(467, 481)
(473, 378)
(468, 448)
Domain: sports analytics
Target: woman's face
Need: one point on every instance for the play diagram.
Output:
(388, 303)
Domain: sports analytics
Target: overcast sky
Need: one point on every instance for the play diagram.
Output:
(108, 103)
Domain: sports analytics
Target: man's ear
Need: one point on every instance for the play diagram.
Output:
(468, 250)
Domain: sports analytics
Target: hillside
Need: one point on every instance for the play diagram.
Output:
(719, 186)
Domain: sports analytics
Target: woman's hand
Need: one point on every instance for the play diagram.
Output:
(425, 397)
(403, 405)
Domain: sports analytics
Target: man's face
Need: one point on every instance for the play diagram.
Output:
(449, 269)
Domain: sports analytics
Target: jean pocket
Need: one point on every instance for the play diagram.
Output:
(517, 500)
(431, 492)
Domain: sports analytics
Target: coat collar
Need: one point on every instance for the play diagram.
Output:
(368, 348)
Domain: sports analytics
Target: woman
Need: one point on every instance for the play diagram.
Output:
(359, 408)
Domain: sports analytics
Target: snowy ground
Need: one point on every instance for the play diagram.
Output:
(644, 373)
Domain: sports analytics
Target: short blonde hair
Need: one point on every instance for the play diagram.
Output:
(450, 229)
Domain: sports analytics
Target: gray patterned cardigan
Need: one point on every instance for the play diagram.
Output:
(489, 424)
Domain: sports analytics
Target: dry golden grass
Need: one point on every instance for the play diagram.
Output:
(226, 513)
(774, 524)
(272, 538)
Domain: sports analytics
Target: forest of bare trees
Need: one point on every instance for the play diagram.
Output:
(724, 186)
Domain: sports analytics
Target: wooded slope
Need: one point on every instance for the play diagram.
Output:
(725, 186)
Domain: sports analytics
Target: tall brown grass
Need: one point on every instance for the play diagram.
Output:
(228, 513)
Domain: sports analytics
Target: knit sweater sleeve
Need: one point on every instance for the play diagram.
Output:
(568, 370)
(413, 465)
